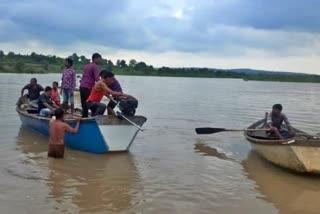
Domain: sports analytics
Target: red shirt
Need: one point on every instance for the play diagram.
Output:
(55, 96)
(96, 96)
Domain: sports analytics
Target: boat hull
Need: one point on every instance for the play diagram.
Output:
(300, 154)
(101, 135)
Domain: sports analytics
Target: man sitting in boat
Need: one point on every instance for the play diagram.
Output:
(34, 90)
(45, 105)
(114, 85)
(275, 120)
(55, 93)
(97, 93)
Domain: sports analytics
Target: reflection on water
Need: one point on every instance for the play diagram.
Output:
(170, 169)
(83, 182)
(287, 191)
(202, 148)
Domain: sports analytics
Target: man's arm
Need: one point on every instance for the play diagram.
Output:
(41, 88)
(48, 106)
(24, 88)
(73, 130)
(96, 73)
(109, 91)
(286, 121)
(74, 80)
(269, 120)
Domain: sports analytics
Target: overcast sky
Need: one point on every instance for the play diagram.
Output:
(262, 34)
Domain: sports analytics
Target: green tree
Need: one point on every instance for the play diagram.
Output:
(118, 63)
(132, 63)
(2, 55)
(19, 67)
(11, 55)
(140, 66)
(46, 66)
(75, 57)
(84, 59)
(123, 63)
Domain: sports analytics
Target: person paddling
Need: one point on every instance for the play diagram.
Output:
(57, 131)
(275, 121)
(97, 93)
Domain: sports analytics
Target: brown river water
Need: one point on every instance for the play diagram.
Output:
(169, 168)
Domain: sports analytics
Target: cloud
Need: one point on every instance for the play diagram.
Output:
(220, 29)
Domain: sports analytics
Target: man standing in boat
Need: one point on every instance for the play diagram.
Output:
(99, 90)
(34, 90)
(275, 121)
(91, 74)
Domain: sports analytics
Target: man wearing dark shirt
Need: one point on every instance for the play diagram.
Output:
(114, 85)
(45, 105)
(34, 90)
(89, 77)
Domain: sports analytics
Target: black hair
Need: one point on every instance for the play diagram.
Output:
(58, 113)
(55, 83)
(105, 74)
(70, 61)
(277, 106)
(34, 79)
(96, 56)
(48, 88)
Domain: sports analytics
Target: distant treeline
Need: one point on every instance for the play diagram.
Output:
(39, 63)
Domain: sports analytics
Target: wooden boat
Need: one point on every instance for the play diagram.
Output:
(300, 154)
(96, 135)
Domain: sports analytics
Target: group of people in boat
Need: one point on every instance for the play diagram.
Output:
(95, 84)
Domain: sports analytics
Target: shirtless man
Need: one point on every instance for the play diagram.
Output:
(57, 131)
(275, 120)
(97, 93)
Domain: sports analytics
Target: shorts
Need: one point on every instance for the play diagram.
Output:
(284, 134)
(67, 97)
(45, 112)
(112, 104)
(56, 151)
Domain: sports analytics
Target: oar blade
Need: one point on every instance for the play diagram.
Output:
(208, 130)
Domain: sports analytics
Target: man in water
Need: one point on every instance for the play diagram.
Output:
(55, 93)
(89, 77)
(275, 120)
(34, 90)
(68, 85)
(57, 131)
(45, 105)
(99, 90)
(114, 85)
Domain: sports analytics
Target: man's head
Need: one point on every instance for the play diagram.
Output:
(55, 85)
(68, 63)
(96, 58)
(59, 114)
(47, 91)
(107, 77)
(33, 81)
(276, 108)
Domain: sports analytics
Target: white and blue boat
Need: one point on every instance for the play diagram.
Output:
(96, 135)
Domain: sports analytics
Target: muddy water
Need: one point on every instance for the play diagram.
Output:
(169, 168)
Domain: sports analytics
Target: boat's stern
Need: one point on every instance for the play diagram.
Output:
(117, 132)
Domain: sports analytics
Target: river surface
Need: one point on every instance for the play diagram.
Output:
(169, 169)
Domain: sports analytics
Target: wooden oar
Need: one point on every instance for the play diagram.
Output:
(209, 130)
